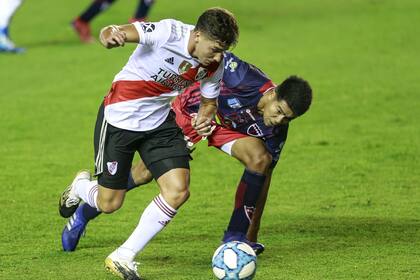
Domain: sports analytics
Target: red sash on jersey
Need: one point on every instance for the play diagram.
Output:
(130, 90)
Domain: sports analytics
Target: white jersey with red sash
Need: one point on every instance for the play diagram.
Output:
(159, 68)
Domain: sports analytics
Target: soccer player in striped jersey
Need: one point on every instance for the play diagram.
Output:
(251, 125)
(136, 116)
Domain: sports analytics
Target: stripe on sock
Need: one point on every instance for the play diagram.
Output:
(164, 207)
(91, 196)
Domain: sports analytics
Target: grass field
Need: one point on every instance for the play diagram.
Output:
(345, 198)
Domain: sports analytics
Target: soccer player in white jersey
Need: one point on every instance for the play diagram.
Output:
(7, 10)
(136, 116)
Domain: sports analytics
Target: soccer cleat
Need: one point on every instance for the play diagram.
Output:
(69, 201)
(239, 236)
(82, 29)
(257, 247)
(125, 269)
(73, 230)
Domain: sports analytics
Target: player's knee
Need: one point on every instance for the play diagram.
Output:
(180, 196)
(259, 162)
(177, 196)
(109, 206)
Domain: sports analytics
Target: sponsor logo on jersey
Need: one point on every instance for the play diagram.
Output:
(184, 67)
(232, 65)
(201, 73)
(112, 167)
(148, 27)
(171, 80)
(234, 103)
(170, 60)
(254, 130)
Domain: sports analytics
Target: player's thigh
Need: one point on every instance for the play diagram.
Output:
(252, 152)
(165, 148)
(114, 152)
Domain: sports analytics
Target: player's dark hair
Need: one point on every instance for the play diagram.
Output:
(297, 93)
(219, 24)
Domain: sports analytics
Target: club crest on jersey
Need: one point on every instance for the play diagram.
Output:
(184, 67)
(254, 130)
(112, 167)
(201, 74)
(234, 103)
(148, 27)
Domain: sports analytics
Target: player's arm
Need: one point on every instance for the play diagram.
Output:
(203, 122)
(113, 36)
(210, 90)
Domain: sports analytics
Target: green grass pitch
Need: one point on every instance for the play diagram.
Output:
(345, 198)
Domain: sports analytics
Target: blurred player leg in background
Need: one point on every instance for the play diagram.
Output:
(7, 10)
(81, 23)
(142, 10)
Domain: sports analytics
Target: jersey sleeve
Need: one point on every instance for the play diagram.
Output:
(244, 76)
(210, 87)
(153, 34)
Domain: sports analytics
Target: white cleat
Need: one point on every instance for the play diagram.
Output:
(69, 201)
(123, 268)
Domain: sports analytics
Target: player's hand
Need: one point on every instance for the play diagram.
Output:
(111, 37)
(203, 125)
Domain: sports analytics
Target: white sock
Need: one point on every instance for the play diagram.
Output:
(7, 9)
(154, 218)
(88, 191)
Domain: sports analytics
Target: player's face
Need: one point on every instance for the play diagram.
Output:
(276, 112)
(207, 51)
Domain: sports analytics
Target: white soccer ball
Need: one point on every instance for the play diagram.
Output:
(234, 261)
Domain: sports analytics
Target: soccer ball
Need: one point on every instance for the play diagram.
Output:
(234, 261)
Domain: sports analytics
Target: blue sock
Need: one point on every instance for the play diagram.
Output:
(247, 194)
(89, 212)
